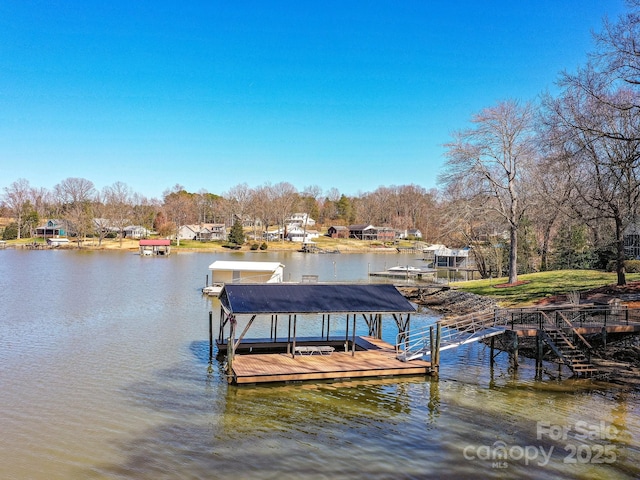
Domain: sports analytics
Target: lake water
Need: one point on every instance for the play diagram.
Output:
(104, 374)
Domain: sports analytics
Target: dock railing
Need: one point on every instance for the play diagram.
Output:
(476, 326)
(575, 315)
(454, 332)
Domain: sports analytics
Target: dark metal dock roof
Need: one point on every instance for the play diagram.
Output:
(283, 298)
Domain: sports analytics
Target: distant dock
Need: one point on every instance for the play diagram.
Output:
(403, 274)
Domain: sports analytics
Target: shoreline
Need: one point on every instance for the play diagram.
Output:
(337, 246)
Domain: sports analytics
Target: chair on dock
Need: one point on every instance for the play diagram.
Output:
(314, 350)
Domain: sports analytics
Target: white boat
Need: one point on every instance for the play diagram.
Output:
(213, 290)
(229, 271)
(405, 268)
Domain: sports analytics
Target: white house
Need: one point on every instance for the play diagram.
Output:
(298, 234)
(136, 231)
(205, 231)
(301, 219)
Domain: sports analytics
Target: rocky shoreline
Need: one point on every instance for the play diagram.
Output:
(447, 301)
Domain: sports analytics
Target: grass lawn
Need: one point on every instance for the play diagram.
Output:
(538, 286)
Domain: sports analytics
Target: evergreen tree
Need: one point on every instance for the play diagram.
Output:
(236, 235)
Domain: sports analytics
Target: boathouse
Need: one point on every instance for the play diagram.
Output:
(286, 309)
(150, 247)
(238, 271)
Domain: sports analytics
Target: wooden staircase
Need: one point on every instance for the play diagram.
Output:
(568, 353)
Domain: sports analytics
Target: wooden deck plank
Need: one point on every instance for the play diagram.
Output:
(279, 367)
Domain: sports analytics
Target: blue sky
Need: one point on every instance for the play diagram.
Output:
(351, 95)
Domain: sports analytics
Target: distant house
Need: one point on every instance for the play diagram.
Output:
(272, 235)
(369, 232)
(385, 234)
(215, 231)
(631, 238)
(412, 233)
(188, 232)
(136, 231)
(338, 231)
(298, 234)
(104, 226)
(301, 219)
(363, 232)
(53, 228)
(203, 232)
(247, 220)
(155, 247)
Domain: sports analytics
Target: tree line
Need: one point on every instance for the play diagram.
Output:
(89, 211)
(531, 185)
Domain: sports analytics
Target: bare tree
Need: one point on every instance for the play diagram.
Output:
(239, 198)
(74, 190)
(550, 189)
(145, 211)
(253, 211)
(42, 200)
(604, 167)
(75, 196)
(180, 208)
(461, 225)
(617, 52)
(285, 200)
(310, 196)
(490, 158)
(17, 198)
(119, 201)
(102, 224)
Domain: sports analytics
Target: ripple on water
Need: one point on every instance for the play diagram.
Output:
(114, 381)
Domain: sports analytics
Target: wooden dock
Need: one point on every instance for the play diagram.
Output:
(377, 360)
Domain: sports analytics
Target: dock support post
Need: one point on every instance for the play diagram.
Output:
(328, 325)
(435, 349)
(492, 347)
(432, 346)
(295, 323)
(539, 354)
(353, 337)
(210, 336)
(346, 336)
(231, 348)
(513, 348)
